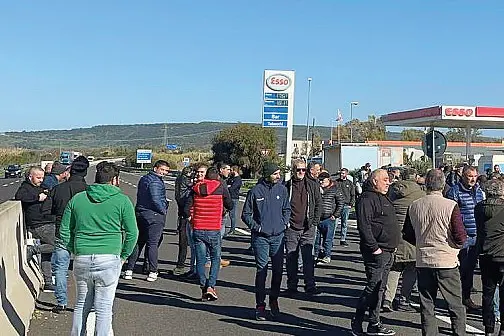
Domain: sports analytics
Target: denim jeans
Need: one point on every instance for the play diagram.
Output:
(345, 212)
(182, 241)
(96, 278)
(60, 262)
(207, 240)
(325, 233)
(192, 247)
(232, 213)
(265, 248)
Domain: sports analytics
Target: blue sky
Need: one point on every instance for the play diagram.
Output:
(77, 64)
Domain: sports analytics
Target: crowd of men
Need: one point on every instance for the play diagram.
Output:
(429, 230)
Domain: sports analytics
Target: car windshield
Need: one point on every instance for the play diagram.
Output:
(13, 167)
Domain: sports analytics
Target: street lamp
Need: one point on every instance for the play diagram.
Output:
(308, 115)
(352, 104)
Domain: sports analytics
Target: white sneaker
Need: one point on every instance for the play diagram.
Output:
(152, 276)
(128, 275)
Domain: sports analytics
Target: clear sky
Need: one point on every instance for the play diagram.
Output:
(67, 64)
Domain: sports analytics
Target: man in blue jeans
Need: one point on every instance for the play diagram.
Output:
(151, 209)
(347, 189)
(60, 195)
(204, 210)
(267, 212)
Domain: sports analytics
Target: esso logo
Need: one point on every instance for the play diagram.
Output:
(278, 82)
(458, 112)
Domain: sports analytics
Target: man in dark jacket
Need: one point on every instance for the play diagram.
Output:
(60, 195)
(267, 212)
(347, 189)
(379, 236)
(151, 209)
(59, 174)
(305, 201)
(234, 185)
(38, 220)
(332, 203)
(490, 225)
(402, 193)
(183, 185)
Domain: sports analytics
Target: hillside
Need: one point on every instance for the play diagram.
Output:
(187, 135)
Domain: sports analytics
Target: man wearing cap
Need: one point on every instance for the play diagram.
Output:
(59, 173)
(60, 195)
(267, 212)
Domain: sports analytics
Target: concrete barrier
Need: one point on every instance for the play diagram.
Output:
(19, 280)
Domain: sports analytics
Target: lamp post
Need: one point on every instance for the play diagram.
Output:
(352, 104)
(308, 115)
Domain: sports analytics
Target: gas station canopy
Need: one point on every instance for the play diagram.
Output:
(448, 117)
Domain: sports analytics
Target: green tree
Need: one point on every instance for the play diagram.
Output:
(372, 129)
(459, 134)
(245, 145)
(412, 135)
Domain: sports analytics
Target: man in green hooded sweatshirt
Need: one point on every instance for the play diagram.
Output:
(99, 228)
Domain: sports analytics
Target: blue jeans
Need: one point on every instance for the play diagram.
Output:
(207, 240)
(232, 213)
(345, 212)
(60, 261)
(265, 248)
(96, 278)
(326, 233)
(192, 247)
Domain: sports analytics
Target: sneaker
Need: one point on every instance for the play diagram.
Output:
(313, 291)
(208, 264)
(343, 243)
(403, 306)
(274, 309)
(177, 271)
(152, 276)
(387, 306)
(379, 330)
(469, 303)
(325, 260)
(128, 275)
(357, 327)
(211, 294)
(260, 313)
(224, 263)
(59, 309)
(48, 288)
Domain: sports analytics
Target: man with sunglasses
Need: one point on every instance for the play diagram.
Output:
(305, 201)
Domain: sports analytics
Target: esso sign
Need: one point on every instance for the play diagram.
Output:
(278, 82)
(459, 112)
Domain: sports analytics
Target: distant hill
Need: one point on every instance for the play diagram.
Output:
(187, 135)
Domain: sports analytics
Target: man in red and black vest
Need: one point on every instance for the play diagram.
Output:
(205, 210)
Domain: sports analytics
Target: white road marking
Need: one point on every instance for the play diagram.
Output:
(11, 183)
(17, 181)
(5, 185)
(245, 232)
(469, 329)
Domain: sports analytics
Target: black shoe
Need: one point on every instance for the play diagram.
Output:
(357, 327)
(274, 309)
(48, 288)
(404, 306)
(386, 306)
(313, 291)
(59, 309)
(379, 330)
(260, 313)
(343, 243)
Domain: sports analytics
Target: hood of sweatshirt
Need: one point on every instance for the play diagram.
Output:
(206, 187)
(99, 193)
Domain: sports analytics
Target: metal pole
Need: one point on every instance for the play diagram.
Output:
(468, 142)
(433, 148)
(351, 124)
(290, 126)
(331, 132)
(308, 113)
(338, 126)
(312, 137)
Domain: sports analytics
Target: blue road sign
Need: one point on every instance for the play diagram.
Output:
(171, 146)
(144, 156)
(275, 109)
(275, 116)
(271, 123)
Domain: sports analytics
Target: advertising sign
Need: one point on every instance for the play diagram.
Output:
(459, 112)
(144, 156)
(278, 98)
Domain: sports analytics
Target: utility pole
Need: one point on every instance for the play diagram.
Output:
(165, 136)
(312, 137)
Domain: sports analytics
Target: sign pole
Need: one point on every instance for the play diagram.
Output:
(468, 142)
(433, 148)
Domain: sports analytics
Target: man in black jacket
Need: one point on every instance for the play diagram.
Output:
(60, 196)
(305, 201)
(332, 203)
(379, 236)
(234, 184)
(347, 189)
(38, 220)
(183, 185)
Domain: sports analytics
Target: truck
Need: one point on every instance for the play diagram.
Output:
(67, 157)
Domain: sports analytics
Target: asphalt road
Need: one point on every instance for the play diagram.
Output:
(171, 306)
(8, 188)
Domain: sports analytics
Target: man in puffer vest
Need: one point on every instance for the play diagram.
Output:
(205, 210)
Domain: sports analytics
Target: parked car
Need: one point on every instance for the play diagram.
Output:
(13, 171)
(90, 158)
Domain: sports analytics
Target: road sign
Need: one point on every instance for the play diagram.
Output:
(278, 98)
(186, 159)
(171, 146)
(144, 156)
(439, 144)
